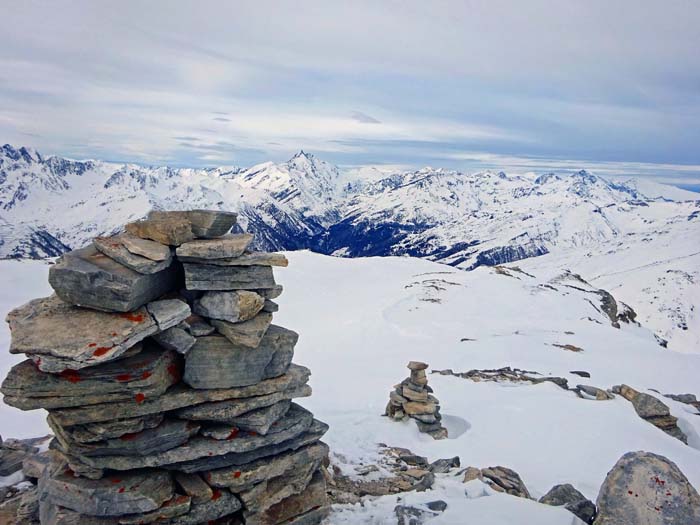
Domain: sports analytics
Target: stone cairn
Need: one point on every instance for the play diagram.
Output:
(413, 398)
(168, 389)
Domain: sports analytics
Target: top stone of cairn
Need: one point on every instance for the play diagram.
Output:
(177, 227)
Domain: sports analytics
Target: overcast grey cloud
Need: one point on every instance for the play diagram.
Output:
(460, 84)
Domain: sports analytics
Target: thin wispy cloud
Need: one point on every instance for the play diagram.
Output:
(613, 85)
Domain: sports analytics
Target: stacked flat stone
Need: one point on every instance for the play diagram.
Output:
(413, 398)
(168, 388)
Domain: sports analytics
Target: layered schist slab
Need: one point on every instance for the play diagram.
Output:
(169, 389)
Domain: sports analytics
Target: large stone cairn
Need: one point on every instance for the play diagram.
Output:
(168, 389)
(413, 398)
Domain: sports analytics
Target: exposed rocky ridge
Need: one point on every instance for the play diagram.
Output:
(156, 417)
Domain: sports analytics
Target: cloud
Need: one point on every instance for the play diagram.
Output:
(364, 118)
(222, 119)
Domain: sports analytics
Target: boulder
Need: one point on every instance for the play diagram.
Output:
(152, 250)
(211, 277)
(115, 248)
(148, 373)
(503, 479)
(246, 259)
(443, 466)
(245, 366)
(179, 396)
(233, 307)
(205, 224)
(87, 277)
(226, 247)
(172, 230)
(57, 335)
(572, 500)
(647, 488)
(247, 333)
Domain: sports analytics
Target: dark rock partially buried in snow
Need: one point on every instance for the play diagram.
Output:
(87, 277)
(210, 277)
(572, 500)
(246, 366)
(115, 248)
(647, 488)
(503, 479)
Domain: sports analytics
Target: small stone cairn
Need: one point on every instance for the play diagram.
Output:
(413, 398)
(168, 389)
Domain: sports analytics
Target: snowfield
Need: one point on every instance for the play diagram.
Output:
(361, 320)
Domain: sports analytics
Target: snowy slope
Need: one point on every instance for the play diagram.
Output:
(361, 320)
(582, 222)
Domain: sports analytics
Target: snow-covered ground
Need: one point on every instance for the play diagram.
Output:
(361, 320)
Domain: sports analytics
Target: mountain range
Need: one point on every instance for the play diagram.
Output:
(578, 221)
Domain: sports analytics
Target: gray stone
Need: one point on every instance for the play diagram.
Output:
(152, 250)
(233, 307)
(244, 365)
(176, 339)
(129, 493)
(414, 515)
(198, 327)
(194, 486)
(169, 434)
(647, 488)
(148, 373)
(311, 435)
(92, 432)
(597, 393)
(503, 479)
(210, 277)
(571, 499)
(165, 229)
(89, 278)
(229, 411)
(247, 333)
(270, 293)
(33, 465)
(57, 335)
(443, 466)
(168, 312)
(648, 406)
(261, 419)
(114, 248)
(312, 517)
(174, 507)
(244, 477)
(221, 504)
(270, 306)
(179, 396)
(205, 224)
(273, 490)
(246, 259)
(417, 365)
(226, 247)
(230, 431)
(201, 447)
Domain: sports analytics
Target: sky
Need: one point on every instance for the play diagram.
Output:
(613, 87)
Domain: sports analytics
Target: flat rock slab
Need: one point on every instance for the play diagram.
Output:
(175, 338)
(75, 337)
(92, 432)
(115, 248)
(206, 362)
(226, 247)
(152, 250)
(230, 430)
(194, 486)
(87, 277)
(202, 447)
(231, 410)
(310, 436)
(246, 333)
(179, 396)
(271, 491)
(230, 306)
(261, 419)
(211, 277)
(270, 293)
(221, 504)
(165, 229)
(148, 373)
(206, 224)
(646, 488)
(174, 507)
(168, 312)
(169, 434)
(127, 493)
(244, 477)
(246, 259)
(314, 496)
